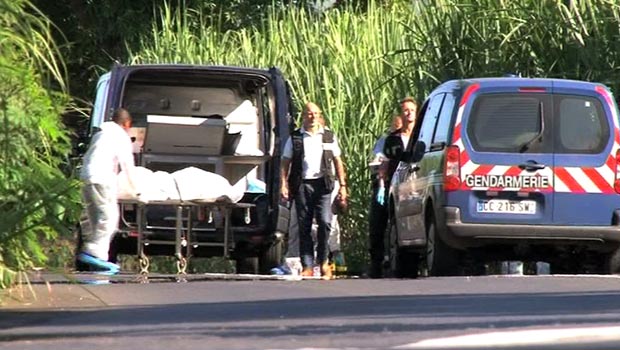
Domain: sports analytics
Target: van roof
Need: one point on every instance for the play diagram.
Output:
(173, 66)
(512, 81)
(193, 71)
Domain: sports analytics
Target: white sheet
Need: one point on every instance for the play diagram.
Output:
(189, 184)
(197, 184)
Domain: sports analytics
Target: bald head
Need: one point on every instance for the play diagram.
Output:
(122, 117)
(311, 106)
(312, 116)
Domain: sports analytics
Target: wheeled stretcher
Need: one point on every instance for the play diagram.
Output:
(197, 192)
(184, 232)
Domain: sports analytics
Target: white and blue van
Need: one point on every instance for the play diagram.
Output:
(509, 168)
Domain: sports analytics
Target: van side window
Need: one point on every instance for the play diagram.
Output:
(430, 120)
(445, 118)
(582, 125)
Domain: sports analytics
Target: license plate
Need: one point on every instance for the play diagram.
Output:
(507, 207)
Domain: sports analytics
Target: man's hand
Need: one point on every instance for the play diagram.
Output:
(381, 195)
(342, 191)
(284, 192)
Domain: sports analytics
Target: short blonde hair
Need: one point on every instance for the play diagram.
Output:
(409, 99)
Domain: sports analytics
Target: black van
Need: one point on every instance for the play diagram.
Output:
(250, 111)
(510, 168)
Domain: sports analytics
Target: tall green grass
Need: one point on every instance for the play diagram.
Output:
(357, 65)
(35, 196)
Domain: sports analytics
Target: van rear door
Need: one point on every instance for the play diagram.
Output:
(585, 151)
(282, 129)
(99, 108)
(506, 157)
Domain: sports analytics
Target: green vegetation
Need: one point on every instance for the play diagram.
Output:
(35, 196)
(354, 62)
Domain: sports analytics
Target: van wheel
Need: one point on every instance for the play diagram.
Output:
(441, 260)
(247, 265)
(271, 256)
(614, 262)
(402, 263)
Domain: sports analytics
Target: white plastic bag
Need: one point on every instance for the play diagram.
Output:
(165, 188)
(197, 184)
(141, 179)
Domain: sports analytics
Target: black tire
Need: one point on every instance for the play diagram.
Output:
(271, 257)
(402, 263)
(441, 259)
(247, 265)
(614, 262)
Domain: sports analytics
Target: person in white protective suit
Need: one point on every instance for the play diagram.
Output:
(109, 152)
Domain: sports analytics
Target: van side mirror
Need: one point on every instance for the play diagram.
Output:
(416, 154)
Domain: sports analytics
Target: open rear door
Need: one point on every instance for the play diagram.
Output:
(282, 130)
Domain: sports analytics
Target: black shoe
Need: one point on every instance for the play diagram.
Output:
(376, 271)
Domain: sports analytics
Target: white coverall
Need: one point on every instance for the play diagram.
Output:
(110, 150)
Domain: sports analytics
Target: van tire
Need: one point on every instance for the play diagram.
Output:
(614, 262)
(402, 263)
(271, 256)
(441, 259)
(247, 265)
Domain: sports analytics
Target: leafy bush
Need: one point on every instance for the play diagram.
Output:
(36, 198)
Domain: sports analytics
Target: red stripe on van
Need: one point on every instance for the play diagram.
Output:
(513, 171)
(483, 169)
(598, 180)
(456, 135)
(568, 180)
(468, 92)
(611, 163)
(464, 158)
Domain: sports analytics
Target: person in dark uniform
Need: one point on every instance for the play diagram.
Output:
(377, 217)
(311, 164)
(393, 146)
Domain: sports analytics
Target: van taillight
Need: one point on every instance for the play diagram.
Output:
(617, 180)
(452, 169)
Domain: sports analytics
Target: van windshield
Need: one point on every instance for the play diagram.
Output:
(537, 123)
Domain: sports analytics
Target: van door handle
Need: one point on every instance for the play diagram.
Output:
(531, 165)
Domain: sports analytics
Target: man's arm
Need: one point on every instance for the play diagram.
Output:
(285, 165)
(284, 170)
(391, 147)
(342, 177)
(126, 163)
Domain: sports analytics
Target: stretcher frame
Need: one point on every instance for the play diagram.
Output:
(183, 243)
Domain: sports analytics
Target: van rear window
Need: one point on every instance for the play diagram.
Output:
(538, 123)
(581, 125)
(506, 122)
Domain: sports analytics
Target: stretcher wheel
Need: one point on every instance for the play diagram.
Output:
(182, 266)
(144, 265)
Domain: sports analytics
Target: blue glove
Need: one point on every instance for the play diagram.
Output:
(381, 195)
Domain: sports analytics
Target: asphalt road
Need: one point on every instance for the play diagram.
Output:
(242, 312)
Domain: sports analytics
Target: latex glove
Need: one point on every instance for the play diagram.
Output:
(381, 195)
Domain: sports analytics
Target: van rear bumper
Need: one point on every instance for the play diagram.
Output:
(466, 235)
